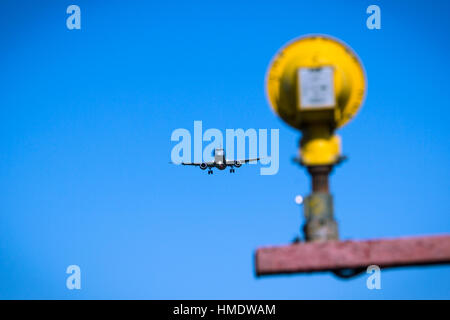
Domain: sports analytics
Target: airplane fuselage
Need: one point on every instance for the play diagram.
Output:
(219, 160)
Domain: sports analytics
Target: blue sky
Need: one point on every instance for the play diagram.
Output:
(85, 123)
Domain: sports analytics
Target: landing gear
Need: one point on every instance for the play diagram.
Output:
(232, 171)
(210, 171)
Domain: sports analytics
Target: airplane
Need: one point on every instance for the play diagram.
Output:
(220, 162)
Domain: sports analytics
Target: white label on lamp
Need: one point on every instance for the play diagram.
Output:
(316, 87)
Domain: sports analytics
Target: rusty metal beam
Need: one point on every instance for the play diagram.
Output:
(338, 255)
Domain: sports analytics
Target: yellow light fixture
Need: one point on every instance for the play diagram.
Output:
(316, 84)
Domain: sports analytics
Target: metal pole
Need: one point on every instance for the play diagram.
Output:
(318, 207)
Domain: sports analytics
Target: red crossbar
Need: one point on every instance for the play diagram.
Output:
(336, 255)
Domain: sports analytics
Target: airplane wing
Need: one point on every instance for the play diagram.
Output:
(209, 164)
(233, 162)
(249, 160)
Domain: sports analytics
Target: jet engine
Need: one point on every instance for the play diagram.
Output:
(237, 164)
(203, 166)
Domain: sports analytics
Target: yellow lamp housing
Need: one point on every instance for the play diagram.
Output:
(319, 146)
(316, 84)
